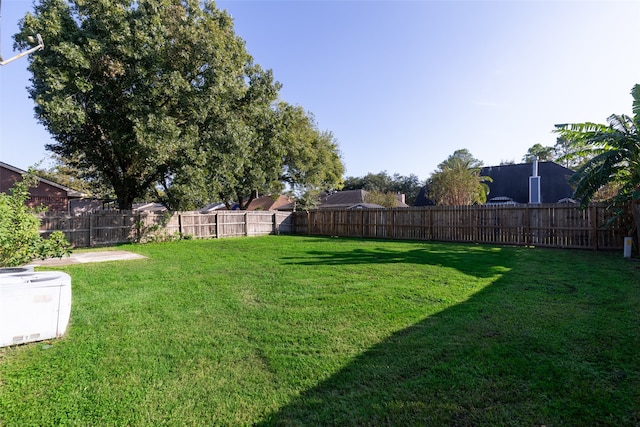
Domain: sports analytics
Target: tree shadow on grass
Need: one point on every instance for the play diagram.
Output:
(512, 354)
(477, 260)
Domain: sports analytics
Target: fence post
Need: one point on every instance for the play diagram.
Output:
(246, 223)
(275, 224)
(527, 227)
(475, 232)
(593, 226)
(430, 229)
(393, 224)
(91, 229)
(294, 222)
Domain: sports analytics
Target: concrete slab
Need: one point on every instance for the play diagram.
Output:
(86, 257)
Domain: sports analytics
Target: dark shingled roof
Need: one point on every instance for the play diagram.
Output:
(347, 199)
(267, 203)
(513, 181)
(422, 199)
(341, 199)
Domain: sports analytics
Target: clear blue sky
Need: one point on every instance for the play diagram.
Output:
(403, 84)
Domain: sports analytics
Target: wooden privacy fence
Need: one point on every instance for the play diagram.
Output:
(562, 226)
(112, 227)
(550, 225)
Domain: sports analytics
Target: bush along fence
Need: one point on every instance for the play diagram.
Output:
(548, 225)
(113, 227)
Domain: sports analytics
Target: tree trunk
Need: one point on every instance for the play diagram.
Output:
(124, 200)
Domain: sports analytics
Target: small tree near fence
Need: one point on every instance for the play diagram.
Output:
(20, 241)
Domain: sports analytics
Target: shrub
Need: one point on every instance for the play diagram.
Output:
(20, 240)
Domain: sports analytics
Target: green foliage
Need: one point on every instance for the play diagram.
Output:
(388, 200)
(543, 154)
(158, 96)
(264, 149)
(306, 198)
(382, 182)
(311, 157)
(613, 153)
(20, 240)
(55, 246)
(564, 152)
(127, 89)
(157, 232)
(570, 154)
(458, 182)
(81, 180)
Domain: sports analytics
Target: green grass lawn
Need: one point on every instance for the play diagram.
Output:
(284, 330)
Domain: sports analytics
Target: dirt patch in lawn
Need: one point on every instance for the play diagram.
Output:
(86, 257)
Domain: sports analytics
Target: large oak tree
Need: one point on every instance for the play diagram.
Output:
(155, 96)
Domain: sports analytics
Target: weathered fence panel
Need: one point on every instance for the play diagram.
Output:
(77, 229)
(99, 229)
(550, 225)
(231, 224)
(283, 222)
(110, 227)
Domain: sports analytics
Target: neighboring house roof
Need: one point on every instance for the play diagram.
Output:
(513, 181)
(349, 199)
(85, 206)
(268, 203)
(71, 193)
(422, 199)
(511, 184)
(366, 206)
(501, 200)
(149, 207)
(213, 207)
(341, 199)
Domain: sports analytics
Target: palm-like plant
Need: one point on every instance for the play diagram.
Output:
(614, 153)
(458, 181)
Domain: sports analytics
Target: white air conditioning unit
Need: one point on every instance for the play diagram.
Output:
(34, 306)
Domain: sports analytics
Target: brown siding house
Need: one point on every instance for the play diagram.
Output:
(53, 196)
